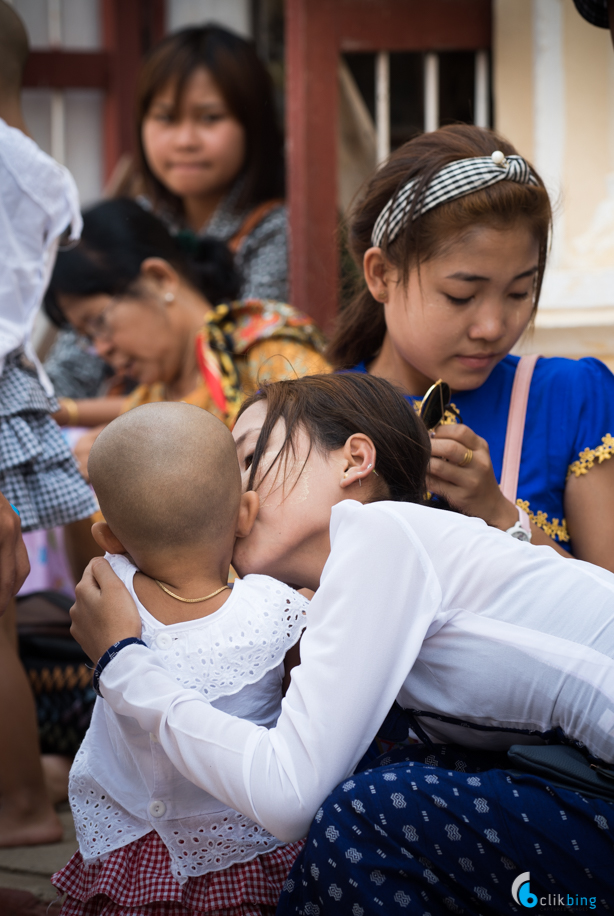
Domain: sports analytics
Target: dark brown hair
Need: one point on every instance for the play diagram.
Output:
(14, 49)
(361, 325)
(247, 89)
(118, 235)
(330, 409)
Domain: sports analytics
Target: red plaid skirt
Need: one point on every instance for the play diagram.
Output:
(137, 881)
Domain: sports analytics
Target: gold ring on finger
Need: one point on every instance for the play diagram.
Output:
(467, 459)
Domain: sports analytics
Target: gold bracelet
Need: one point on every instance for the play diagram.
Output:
(72, 410)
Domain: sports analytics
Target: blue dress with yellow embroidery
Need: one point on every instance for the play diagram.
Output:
(569, 427)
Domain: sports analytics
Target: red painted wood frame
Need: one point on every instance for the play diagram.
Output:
(129, 29)
(317, 31)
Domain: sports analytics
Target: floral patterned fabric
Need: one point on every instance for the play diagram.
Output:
(241, 346)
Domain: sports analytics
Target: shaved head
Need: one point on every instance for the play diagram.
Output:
(166, 475)
(14, 50)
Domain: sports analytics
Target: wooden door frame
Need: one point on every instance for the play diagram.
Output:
(129, 29)
(317, 32)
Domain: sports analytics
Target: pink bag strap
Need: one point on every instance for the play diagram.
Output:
(515, 426)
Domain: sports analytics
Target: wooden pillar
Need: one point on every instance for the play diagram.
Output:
(317, 31)
(311, 123)
(130, 28)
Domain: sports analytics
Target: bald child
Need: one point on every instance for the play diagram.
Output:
(168, 482)
(169, 486)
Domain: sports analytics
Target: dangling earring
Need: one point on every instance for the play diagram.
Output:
(359, 482)
(169, 297)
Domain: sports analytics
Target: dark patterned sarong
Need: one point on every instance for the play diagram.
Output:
(448, 830)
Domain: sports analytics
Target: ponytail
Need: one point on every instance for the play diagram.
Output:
(360, 332)
(209, 264)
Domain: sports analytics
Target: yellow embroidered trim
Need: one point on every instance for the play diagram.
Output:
(554, 528)
(589, 456)
(450, 416)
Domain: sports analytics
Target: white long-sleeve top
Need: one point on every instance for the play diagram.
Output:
(38, 201)
(122, 783)
(434, 609)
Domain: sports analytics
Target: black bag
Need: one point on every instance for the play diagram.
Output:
(58, 669)
(564, 767)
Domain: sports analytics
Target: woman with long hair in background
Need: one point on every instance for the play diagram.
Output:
(211, 151)
(210, 164)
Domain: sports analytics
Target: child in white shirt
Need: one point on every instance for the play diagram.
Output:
(169, 486)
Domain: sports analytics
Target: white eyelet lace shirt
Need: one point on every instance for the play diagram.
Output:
(122, 784)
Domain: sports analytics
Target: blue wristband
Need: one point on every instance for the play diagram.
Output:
(15, 509)
(110, 654)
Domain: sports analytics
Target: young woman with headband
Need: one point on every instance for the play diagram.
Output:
(481, 639)
(452, 235)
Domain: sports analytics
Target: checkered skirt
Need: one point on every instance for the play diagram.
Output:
(37, 471)
(137, 881)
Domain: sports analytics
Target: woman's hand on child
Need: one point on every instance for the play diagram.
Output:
(461, 471)
(103, 612)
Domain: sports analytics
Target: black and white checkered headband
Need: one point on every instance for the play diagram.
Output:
(455, 180)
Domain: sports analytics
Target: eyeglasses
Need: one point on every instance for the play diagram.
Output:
(97, 327)
(435, 404)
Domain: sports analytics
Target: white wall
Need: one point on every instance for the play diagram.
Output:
(67, 125)
(72, 24)
(554, 99)
(233, 14)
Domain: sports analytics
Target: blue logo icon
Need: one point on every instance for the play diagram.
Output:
(521, 891)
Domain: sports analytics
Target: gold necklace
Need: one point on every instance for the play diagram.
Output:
(189, 600)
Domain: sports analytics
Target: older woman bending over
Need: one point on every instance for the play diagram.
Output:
(162, 310)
